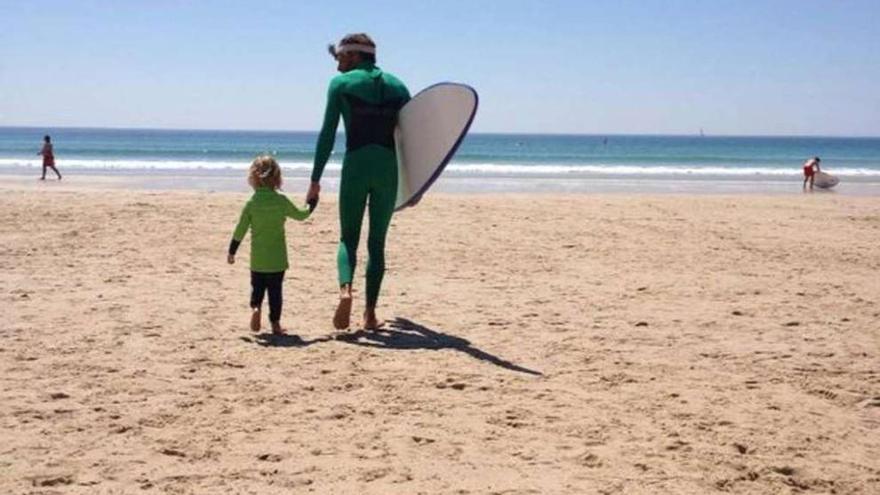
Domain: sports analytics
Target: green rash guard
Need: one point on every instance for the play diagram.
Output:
(368, 99)
(265, 214)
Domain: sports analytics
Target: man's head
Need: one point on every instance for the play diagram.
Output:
(352, 50)
(46, 138)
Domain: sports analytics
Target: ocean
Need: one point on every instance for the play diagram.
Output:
(496, 162)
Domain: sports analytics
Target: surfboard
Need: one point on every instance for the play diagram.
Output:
(825, 181)
(430, 128)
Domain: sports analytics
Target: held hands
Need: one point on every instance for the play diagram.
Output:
(313, 195)
(230, 258)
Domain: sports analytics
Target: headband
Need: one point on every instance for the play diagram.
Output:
(351, 47)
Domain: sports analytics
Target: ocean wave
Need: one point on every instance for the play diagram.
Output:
(634, 170)
(124, 164)
(476, 169)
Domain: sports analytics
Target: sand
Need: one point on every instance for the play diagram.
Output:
(536, 344)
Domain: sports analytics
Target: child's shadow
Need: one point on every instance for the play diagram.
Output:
(406, 334)
(288, 340)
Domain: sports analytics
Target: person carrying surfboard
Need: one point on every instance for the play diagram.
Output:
(368, 99)
(811, 168)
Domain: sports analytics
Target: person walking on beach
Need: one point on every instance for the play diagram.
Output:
(264, 214)
(368, 99)
(48, 157)
(811, 168)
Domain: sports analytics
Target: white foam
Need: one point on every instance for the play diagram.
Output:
(477, 169)
(155, 164)
(633, 170)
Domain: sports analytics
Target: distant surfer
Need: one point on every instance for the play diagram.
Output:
(368, 99)
(811, 168)
(48, 157)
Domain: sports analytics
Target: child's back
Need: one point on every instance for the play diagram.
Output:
(264, 215)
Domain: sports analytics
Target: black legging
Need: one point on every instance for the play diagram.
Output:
(271, 282)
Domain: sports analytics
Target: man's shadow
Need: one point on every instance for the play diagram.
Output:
(405, 334)
(287, 340)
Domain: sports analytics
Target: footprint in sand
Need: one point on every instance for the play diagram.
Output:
(52, 480)
(270, 457)
(826, 394)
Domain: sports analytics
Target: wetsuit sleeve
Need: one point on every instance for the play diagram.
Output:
(327, 137)
(241, 229)
(293, 212)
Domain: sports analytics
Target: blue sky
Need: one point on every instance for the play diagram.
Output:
(778, 67)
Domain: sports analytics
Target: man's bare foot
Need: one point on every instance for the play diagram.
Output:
(342, 318)
(276, 328)
(371, 322)
(256, 315)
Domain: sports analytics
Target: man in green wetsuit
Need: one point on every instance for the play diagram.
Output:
(368, 99)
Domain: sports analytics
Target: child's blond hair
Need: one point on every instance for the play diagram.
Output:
(264, 172)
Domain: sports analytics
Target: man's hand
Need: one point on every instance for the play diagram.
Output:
(313, 195)
(230, 258)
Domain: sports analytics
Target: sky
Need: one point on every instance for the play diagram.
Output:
(739, 67)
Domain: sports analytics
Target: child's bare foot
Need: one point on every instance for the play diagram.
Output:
(342, 318)
(276, 328)
(256, 315)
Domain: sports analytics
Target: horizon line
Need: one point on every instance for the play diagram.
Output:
(499, 133)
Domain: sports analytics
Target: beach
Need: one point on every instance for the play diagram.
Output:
(535, 343)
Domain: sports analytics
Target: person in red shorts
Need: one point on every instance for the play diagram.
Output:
(48, 157)
(811, 168)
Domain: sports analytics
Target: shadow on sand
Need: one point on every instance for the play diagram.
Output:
(289, 340)
(405, 334)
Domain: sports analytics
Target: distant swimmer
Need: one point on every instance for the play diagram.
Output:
(811, 168)
(48, 157)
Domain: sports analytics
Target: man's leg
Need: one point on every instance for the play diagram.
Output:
(352, 203)
(382, 199)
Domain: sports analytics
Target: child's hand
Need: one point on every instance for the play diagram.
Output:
(230, 258)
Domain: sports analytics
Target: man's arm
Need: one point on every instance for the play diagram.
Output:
(327, 137)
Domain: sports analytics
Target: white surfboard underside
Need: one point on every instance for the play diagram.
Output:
(429, 130)
(824, 180)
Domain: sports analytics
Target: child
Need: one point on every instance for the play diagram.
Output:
(265, 214)
(48, 157)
